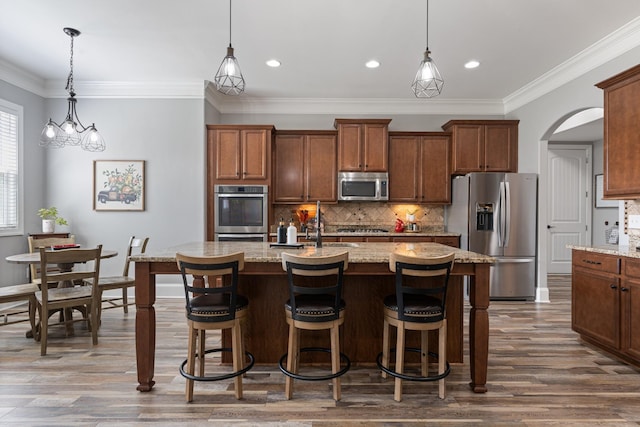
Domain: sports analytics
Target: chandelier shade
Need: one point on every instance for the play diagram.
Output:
(71, 131)
(428, 82)
(229, 79)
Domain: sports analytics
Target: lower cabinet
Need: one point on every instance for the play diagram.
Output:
(605, 302)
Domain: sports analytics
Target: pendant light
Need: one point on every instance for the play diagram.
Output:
(71, 131)
(228, 79)
(428, 82)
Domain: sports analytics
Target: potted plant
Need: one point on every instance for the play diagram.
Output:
(50, 218)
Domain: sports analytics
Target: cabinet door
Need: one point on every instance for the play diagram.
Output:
(595, 306)
(228, 152)
(403, 168)
(435, 161)
(500, 148)
(630, 318)
(254, 154)
(468, 149)
(376, 139)
(349, 147)
(289, 168)
(453, 241)
(321, 172)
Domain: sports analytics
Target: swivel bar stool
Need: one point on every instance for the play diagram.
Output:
(208, 308)
(419, 305)
(314, 305)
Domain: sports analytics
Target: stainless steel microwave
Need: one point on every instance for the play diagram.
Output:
(363, 186)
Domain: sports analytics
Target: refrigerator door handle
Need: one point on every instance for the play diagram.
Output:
(507, 216)
(500, 215)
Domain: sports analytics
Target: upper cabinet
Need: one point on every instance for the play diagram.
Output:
(483, 145)
(419, 167)
(239, 152)
(362, 145)
(621, 129)
(305, 166)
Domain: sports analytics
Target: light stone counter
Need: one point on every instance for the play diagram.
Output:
(257, 252)
(625, 251)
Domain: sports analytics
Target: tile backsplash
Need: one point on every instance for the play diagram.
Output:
(369, 214)
(631, 207)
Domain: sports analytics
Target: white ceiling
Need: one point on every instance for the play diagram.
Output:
(322, 44)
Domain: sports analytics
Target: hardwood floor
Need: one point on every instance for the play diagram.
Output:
(540, 373)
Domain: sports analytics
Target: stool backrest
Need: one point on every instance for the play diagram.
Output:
(211, 275)
(331, 267)
(438, 268)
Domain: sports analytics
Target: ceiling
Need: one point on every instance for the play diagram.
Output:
(323, 45)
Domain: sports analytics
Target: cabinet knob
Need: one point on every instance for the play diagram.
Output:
(612, 286)
(623, 289)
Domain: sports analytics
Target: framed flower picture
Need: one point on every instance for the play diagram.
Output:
(118, 185)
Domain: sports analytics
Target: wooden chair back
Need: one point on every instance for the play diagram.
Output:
(47, 242)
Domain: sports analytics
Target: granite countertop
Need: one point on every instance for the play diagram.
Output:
(625, 251)
(383, 234)
(358, 252)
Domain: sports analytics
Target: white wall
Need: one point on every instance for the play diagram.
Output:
(600, 215)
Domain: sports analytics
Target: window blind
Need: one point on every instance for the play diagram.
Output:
(9, 122)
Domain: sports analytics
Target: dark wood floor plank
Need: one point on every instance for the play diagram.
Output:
(540, 373)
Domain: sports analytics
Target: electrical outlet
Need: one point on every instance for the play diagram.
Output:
(634, 221)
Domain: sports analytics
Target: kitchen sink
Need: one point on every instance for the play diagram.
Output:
(336, 244)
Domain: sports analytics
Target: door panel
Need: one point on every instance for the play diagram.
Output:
(568, 211)
(513, 278)
(523, 199)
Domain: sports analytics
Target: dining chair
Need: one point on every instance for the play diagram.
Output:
(124, 282)
(71, 291)
(47, 242)
(315, 303)
(213, 302)
(418, 304)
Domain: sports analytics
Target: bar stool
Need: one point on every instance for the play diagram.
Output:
(417, 307)
(314, 305)
(209, 308)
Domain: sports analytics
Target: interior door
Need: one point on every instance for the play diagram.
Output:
(569, 215)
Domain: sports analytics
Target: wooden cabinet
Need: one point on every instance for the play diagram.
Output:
(239, 152)
(605, 297)
(362, 145)
(305, 167)
(453, 241)
(621, 129)
(420, 167)
(483, 145)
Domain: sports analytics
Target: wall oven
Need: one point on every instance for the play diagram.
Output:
(241, 213)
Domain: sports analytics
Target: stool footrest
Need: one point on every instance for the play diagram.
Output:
(413, 377)
(343, 358)
(218, 377)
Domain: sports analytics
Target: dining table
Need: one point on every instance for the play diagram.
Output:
(34, 258)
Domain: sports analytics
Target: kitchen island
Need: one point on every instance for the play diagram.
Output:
(367, 281)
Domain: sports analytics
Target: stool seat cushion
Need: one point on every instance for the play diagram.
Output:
(215, 304)
(315, 305)
(422, 306)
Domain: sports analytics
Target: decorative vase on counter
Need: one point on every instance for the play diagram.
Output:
(48, 225)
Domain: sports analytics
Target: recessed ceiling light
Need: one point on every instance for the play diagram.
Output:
(372, 64)
(273, 63)
(472, 64)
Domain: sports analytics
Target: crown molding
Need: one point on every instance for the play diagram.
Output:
(615, 44)
(133, 90)
(21, 78)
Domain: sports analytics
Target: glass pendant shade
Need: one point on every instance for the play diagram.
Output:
(92, 140)
(428, 81)
(228, 79)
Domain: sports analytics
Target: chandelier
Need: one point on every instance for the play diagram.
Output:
(228, 79)
(428, 82)
(71, 131)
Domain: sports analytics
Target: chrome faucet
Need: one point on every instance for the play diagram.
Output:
(318, 237)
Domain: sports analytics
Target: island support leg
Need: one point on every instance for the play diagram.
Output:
(479, 328)
(145, 325)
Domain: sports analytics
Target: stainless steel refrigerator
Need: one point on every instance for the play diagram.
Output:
(496, 215)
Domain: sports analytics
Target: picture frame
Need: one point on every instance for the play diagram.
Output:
(600, 202)
(118, 185)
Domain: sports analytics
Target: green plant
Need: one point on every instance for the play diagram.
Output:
(52, 213)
